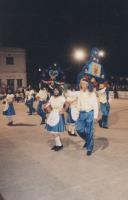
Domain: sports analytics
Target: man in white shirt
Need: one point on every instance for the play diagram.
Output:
(88, 108)
(104, 100)
(30, 102)
(41, 96)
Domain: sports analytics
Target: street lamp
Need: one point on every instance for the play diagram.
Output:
(55, 64)
(79, 55)
(39, 69)
(101, 53)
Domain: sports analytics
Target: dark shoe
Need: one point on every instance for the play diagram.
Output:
(58, 148)
(10, 123)
(89, 153)
(29, 113)
(100, 123)
(43, 120)
(105, 127)
(74, 135)
(85, 145)
(54, 147)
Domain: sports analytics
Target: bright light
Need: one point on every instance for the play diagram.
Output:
(39, 69)
(79, 54)
(55, 64)
(101, 53)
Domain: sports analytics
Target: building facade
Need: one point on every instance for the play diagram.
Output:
(12, 67)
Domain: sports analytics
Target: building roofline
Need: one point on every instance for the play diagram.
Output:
(12, 49)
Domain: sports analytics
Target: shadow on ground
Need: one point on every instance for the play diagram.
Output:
(22, 124)
(100, 143)
(1, 197)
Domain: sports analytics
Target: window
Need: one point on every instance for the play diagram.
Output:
(10, 83)
(19, 83)
(9, 60)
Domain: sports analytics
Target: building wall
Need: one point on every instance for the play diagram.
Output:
(14, 71)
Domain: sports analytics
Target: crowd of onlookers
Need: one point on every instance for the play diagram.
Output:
(19, 94)
(118, 83)
(115, 84)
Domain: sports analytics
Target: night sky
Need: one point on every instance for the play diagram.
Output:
(50, 29)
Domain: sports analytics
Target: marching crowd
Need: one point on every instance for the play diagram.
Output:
(73, 110)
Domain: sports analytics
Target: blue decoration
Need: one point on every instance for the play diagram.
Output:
(92, 68)
(53, 73)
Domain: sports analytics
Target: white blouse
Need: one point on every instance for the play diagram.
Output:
(42, 94)
(10, 98)
(71, 97)
(57, 103)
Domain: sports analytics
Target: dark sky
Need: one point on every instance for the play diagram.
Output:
(50, 29)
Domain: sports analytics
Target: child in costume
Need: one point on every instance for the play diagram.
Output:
(55, 123)
(88, 108)
(9, 110)
(30, 102)
(26, 91)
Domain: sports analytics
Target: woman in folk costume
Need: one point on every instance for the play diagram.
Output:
(72, 112)
(104, 99)
(88, 108)
(30, 102)
(9, 110)
(55, 123)
(26, 98)
(42, 99)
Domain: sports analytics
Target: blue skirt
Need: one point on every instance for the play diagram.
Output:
(59, 128)
(10, 111)
(69, 117)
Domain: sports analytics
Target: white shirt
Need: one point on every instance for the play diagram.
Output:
(71, 97)
(103, 96)
(42, 94)
(26, 94)
(10, 98)
(87, 101)
(31, 93)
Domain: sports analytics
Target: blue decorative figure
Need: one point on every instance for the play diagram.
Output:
(92, 69)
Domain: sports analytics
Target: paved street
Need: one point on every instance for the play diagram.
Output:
(29, 170)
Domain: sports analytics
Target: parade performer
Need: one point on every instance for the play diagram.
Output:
(92, 67)
(30, 102)
(55, 123)
(9, 110)
(88, 108)
(53, 76)
(104, 99)
(72, 111)
(26, 98)
(42, 99)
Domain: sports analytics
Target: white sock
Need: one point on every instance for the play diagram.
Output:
(69, 128)
(9, 119)
(73, 130)
(57, 141)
